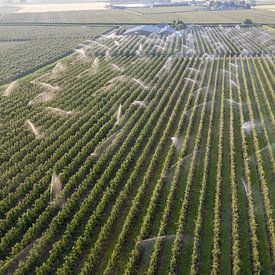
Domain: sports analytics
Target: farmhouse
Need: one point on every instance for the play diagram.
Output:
(150, 29)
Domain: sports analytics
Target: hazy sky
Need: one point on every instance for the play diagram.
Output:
(91, 1)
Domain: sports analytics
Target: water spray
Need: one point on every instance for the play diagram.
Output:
(35, 130)
(119, 114)
(59, 111)
(140, 104)
(10, 89)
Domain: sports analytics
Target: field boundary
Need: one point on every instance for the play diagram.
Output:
(19, 23)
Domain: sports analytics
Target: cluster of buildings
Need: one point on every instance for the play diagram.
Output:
(207, 4)
(122, 4)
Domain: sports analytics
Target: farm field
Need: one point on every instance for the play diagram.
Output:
(23, 49)
(30, 8)
(266, 7)
(202, 41)
(142, 155)
(143, 15)
(226, 16)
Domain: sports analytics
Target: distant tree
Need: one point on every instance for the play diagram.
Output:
(231, 4)
(178, 24)
(248, 22)
(252, 3)
(211, 3)
(174, 23)
(217, 4)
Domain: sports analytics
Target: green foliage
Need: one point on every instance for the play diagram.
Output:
(178, 25)
(247, 22)
(131, 201)
(24, 49)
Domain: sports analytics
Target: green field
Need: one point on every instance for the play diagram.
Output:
(143, 15)
(143, 155)
(23, 49)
